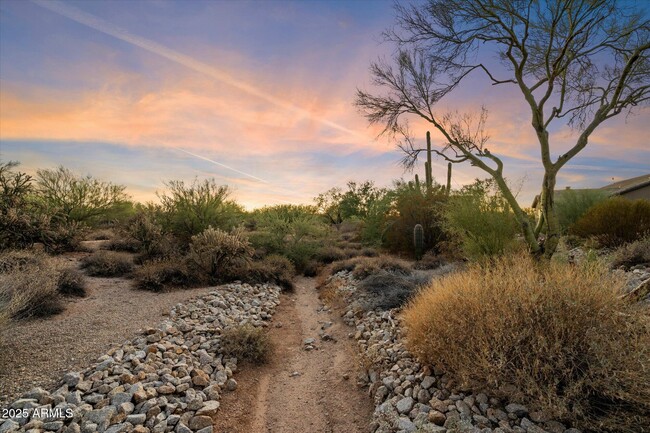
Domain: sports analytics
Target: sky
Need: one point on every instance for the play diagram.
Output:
(257, 95)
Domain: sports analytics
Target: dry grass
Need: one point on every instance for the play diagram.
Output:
(391, 290)
(553, 335)
(28, 286)
(107, 264)
(101, 235)
(271, 269)
(246, 343)
(362, 267)
(630, 255)
(163, 275)
(71, 282)
(430, 260)
(127, 245)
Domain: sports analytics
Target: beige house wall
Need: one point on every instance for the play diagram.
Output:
(638, 193)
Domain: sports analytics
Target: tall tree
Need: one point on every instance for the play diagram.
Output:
(578, 62)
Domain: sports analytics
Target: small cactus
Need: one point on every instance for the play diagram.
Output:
(418, 241)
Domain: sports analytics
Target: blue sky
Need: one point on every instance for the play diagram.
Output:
(265, 88)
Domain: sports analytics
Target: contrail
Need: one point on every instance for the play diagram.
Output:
(105, 27)
(221, 165)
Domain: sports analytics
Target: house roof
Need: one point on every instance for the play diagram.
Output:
(616, 188)
(627, 185)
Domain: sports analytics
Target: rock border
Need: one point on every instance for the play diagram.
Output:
(167, 379)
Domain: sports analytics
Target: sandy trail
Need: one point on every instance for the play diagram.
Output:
(321, 398)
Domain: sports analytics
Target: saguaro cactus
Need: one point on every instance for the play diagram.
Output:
(427, 165)
(418, 241)
(448, 178)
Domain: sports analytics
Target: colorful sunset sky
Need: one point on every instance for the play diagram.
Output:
(258, 95)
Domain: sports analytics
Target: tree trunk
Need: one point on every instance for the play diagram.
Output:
(527, 230)
(552, 222)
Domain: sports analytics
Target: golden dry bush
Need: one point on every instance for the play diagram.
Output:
(247, 343)
(28, 286)
(550, 334)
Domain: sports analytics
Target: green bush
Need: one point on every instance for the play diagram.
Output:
(107, 264)
(413, 205)
(143, 229)
(571, 204)
(615, 221)
(80, 199)
(165, 274)
(24, 218)
(481, 218)
(187, 210)
(246, 343)
(632, 254)
(71, 283)
(219, 254)
(295, 232)
(554, 335)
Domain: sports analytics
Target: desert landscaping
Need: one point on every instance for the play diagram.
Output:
(479, 304)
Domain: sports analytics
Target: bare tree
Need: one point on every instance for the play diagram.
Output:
(578, 62)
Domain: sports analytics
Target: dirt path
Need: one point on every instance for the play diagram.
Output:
(38, 352)
(301, 390)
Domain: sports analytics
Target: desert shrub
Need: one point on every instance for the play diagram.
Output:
(20, 260)
(25, 219)
(572, 204)
(312, 268)
(71, 282)
(368, 252)
(481, 219)
(80, 199)
(615, 221)
(361, 267)
(187, 210)
(295, 232)
(331, 254)
(550, 334)
(164, 274)
(101, 235)
(365, 267)
(62, 237)
(632, 254)
(428, 261)
(219, 254)
(343, 265)
(19, 223)
(125, 245)
(346, 209)
(28, 286)
(107, 264)
(273, 269)
(391, 290)
(246, 343)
